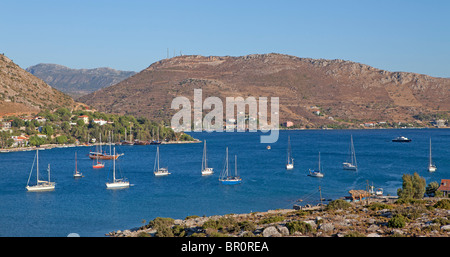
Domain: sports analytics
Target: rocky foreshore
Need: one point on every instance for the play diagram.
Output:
(417, 218)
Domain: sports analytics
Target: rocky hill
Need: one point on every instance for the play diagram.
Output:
(78, 82)
(23, 93)
(345, 92)
(380, 218)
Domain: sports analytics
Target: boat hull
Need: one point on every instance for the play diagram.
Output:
(98, 166)
(104, 156)
(348, 166)
(160, 174)
(316, 174)
(233, 181)
(117, 185)
(208, 171)
(78, 175)
(42, 187)
(289, 166)
(432, 168)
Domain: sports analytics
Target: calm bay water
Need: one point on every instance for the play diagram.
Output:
(86, 207)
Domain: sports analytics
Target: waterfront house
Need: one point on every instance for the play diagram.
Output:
(444, 187)
(84, 118)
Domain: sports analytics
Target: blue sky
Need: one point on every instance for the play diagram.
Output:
(412, 36)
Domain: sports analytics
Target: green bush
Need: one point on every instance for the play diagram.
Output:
(379, 206)
(338, 204)
(247, 225)
(443, 204)
(299, 226)
(227, 223)
(398, 221)
(271, 219)
(162, 226)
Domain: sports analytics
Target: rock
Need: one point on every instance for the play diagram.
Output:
(271, 232)
(446, 227)
(310, 222)
(284, 231)
(372, 228)
(373, 235)
(326, 227)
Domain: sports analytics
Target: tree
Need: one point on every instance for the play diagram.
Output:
(413, 187)
(61, 139)
(432, 189)
(48, 130)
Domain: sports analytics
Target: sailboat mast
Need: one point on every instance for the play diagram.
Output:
(37, 166)
(204, 156)
(235, 165)
(157, 155)
(226, 170)
(109, 136)
(75, 162)
(114, 166)
(48, 169)
(430, 153)
(319, 161)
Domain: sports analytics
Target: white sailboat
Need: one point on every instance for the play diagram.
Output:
(205, 169)
(156, 169)
(431, 166)
(117, 183)
(316, 173)
(77, 174)
(225, 177)
(41, 185)
(352, 165)
(290, 160)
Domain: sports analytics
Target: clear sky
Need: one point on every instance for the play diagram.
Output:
(394, 35)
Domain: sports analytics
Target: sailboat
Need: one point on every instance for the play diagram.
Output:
(205, 169)
(156, 169)
(77, 174)
(98, 165)
(104, 156)
(290, 160)
(41, 185)
(117, 183)
(352, 165)
(225, 177)
(431, 166)
(316, 173)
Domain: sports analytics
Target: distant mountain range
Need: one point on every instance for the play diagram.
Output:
(23, 93)
(343, 92)
(77, 82)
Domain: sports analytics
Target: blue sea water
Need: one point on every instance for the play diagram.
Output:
(86, 207)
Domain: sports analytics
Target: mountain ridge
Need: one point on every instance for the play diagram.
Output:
(344, 91)
(23, 93)
(77, 82)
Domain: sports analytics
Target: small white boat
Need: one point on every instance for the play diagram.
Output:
(431, 166)
(351, 165)
(156, 169)
(117, 183)
(205, 169)
(316, 173)
(41, 185)
(401, 139)
(77, 174)
(290, 160)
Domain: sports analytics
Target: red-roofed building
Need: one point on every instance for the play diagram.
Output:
(445, 186)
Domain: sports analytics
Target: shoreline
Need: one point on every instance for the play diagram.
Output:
(52, 146)
(357, 219)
